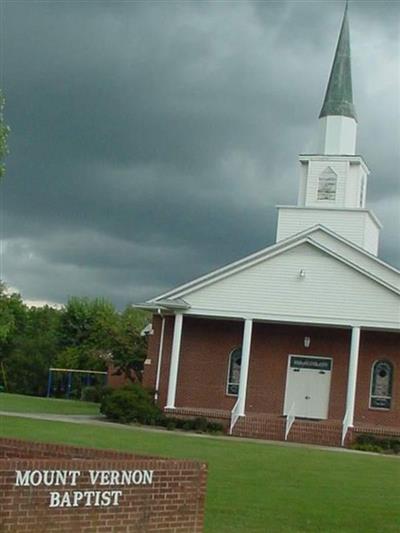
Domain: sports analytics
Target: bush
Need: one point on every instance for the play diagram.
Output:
(135, 404)
(215, 427)
(371, 443)
(90, 394)
(200, 424)
(94, 393)
(367, 447)
(130, 404)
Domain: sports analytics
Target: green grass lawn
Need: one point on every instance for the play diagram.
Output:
(18, 403)
(256, 487)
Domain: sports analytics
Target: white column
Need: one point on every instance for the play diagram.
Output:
(160, 354)
(174, 364)
(352, 379)
(244, 367)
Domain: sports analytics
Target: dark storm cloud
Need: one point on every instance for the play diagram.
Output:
(151, 140)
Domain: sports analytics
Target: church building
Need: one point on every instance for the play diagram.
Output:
(299, 341)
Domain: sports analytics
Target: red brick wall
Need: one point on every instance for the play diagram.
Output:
(203, 367)
(173, 502)
(205, 349)
(114, 380)
(150, 371)
(375, 346)
(271, 345)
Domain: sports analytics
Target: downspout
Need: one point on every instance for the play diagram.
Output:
(160, 350)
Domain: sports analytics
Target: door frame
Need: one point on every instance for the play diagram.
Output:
(290, 355)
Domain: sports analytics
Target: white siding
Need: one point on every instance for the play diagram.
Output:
(352, 225)
(367, 263)
(301, 199)
(353, 185)
(349, 177)
(337, 135)
(330, 290)
(371, 236)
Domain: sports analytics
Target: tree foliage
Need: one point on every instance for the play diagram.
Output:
(87, 334)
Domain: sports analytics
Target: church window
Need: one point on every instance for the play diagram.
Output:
(235, 361)
(381, 385)
(327, 185)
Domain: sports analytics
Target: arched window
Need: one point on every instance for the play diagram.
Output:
(327, 185)
(381, 385)
(235, 361)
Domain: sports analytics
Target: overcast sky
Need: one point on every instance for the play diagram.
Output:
(151, 141)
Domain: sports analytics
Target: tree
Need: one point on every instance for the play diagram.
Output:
(12, 323)
(4, 131)
(95, 334)
(34, 350)
(88, 327)
(130, 348)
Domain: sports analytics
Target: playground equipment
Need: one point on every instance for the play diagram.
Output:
(61, 380)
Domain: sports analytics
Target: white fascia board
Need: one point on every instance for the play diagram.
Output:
(263, 255)
(248, 260)
(256, 257)
(329, 321)
(353, 265)
(355, 246)
(149, 307)
(369, 212)
(233, 268)
(162, 305)
(335, 157)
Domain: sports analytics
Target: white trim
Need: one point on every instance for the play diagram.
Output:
(256, 261)
(329, 321)
(333, 208)
(229, 371)
(355, 246)
(350, 263)
(370, 386)
(352, 374)
(160, 352)
(174, 364)
(244, 367)
(336, 157)
(290, 355)
(222, 272)
(269, 252)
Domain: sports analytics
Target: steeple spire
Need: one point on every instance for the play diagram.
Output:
(339, 94)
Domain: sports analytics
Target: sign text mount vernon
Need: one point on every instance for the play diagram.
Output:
(83, 498)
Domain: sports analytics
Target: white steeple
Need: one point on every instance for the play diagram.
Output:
(333, 182)
(338, 119)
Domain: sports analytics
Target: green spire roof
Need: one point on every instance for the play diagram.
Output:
(339, 94)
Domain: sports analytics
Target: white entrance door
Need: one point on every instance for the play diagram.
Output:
(308, 386)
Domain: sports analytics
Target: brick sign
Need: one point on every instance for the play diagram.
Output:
(51, 488)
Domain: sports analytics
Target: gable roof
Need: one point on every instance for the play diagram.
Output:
(359, 260)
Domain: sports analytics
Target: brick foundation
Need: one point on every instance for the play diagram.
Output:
(173, 502)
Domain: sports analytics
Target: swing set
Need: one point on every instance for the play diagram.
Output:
(61, 381)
